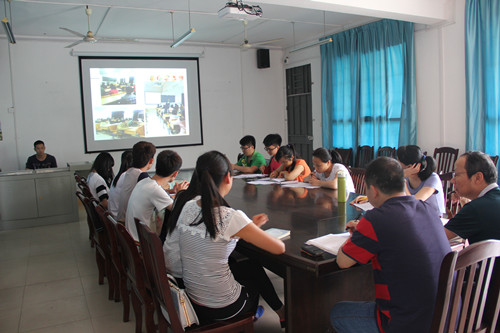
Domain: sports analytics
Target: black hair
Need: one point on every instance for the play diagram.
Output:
(167, 162)
(412, 154)
(326, 155)
(103, 165)
(210, 170)
(126, 163)
(272, 139)
(38, 142)
(386, 174)
(247, 140)
(287, 152)
(477, 161)
(142, 152)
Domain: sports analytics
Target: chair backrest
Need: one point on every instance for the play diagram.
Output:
(108, 221)
(90, 224)
(468, 296)
(358, 178)
(386, 151)
(92, 216)
(154, 262)
(131, 259)
(494, 159)
(364, 155)
(445, 159)
(448, 188)
(346, 154)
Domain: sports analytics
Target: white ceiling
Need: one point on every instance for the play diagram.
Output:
(151, 20)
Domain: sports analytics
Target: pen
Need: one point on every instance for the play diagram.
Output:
(355, 219)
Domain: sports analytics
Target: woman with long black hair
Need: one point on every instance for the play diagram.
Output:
(421, 180)
(100, 177)
(202, 232)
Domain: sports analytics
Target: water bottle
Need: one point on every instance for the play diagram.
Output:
(342, 197)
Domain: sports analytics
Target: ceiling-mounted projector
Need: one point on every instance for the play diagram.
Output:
(240, 11)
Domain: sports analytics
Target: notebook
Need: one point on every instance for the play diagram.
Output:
(278, 233)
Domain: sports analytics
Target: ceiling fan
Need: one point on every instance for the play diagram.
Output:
(246, 44)
(91, 37)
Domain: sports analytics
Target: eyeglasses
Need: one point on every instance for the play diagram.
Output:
(455, 174)
(244, 148)
(268, 149)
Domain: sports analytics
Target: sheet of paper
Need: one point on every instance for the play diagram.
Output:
(249, 175)
(364, 206)
(298, 184)
(267, 181)
(330, 243)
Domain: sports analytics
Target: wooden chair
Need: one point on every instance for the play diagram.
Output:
(445, 158)
(346, 154)
(154, 262)
(468, 295)
(101, 241)
(448, 188)
(364, 155)
(386, 151)
(92, 235)
(494, 159)
(358, 178)
(117, 269)
(136, 276)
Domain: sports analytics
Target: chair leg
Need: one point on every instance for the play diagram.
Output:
(136, 304)
(116, 284)
(125, 298)
(100, 266)
(149, 316)
(109, 274)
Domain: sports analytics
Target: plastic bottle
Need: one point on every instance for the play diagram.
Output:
(342, 197)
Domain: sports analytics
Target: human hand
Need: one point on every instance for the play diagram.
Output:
(359, 199)
(181, 186)
(314, 181)
(412, 169)
(260, 219)
(283, 174)
(273, 174)
(262, 168)
(351, 226)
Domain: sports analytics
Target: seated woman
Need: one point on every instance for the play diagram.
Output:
(291, 168)
(327, 164)
(202, 232)
(421, 180)
(100, 177)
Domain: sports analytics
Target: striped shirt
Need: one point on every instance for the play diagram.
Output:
(205, 269)
(405, 241)
(97, 186)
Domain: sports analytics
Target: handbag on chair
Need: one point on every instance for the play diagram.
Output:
(183, 305)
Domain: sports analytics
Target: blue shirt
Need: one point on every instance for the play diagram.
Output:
(436, 200)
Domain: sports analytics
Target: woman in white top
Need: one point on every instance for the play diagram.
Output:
(100, 177)
(206, 230)
(326, 166)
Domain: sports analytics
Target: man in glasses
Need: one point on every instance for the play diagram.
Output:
(251, 160)
(272, 143)
(475, 178)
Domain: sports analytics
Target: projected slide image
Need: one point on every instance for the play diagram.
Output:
(139, 102)
(129, 99)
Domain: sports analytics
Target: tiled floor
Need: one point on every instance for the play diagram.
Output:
(48, 283)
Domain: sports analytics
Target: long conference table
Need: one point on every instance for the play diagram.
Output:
(312, 286)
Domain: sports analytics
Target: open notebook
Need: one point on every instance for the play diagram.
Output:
(330, 243)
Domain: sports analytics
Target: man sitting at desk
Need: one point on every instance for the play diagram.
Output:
(40, 160)
(405, 241)
(475, 178)
(251, 160)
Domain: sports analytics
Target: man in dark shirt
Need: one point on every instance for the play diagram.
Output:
(40, 160)
(475, 178)
(405, 242)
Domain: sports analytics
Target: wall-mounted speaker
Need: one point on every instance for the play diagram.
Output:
(263, 58)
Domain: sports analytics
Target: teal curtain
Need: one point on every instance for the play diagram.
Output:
(482, 59)
(368, 86)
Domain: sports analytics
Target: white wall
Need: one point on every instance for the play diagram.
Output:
(237, 99)
(440, 78)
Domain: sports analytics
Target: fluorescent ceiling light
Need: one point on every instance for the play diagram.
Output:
(320, 42)
(8, 30)
(181, 39)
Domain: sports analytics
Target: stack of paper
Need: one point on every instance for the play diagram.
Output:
(330, 243)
